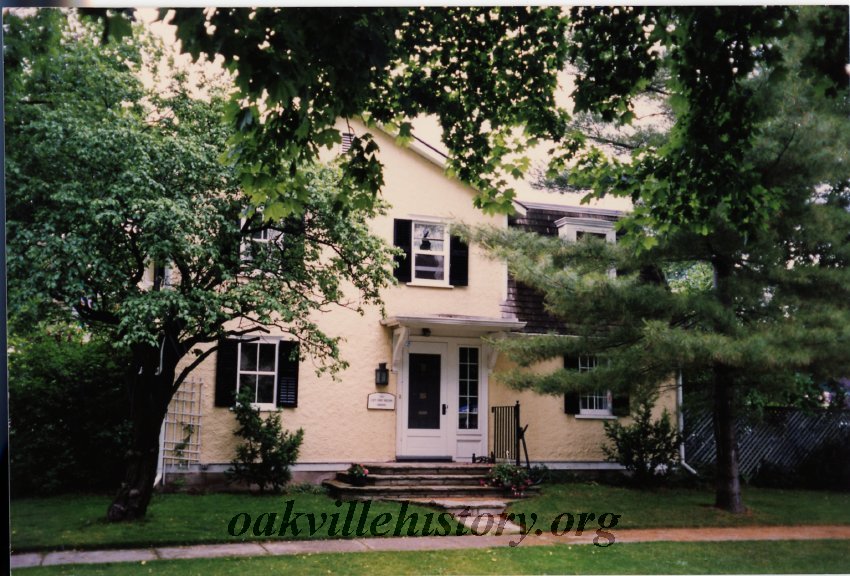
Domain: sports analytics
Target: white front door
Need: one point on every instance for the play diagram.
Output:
(425, 415)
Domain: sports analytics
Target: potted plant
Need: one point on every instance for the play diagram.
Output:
(357, 475)
(517, 479)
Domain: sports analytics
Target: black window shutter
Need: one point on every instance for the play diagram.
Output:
(287, 375)
(621, 405)
(225, 373)
(571, 399)
(459, 262)
(571, 404)
(402, 238)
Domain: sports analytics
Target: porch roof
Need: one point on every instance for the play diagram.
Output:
(454, 324)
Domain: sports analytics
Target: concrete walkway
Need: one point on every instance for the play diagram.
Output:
(283, 548)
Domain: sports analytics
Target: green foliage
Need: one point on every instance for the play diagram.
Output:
(106, 178)
(267, 450)
(357, 471)
(489, 74)
(511, 477)
(734, 266)
(703, 59)
(108, 181)
(69, 416)
(647, 448)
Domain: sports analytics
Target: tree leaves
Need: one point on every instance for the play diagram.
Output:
(479, 70)
(108, 183)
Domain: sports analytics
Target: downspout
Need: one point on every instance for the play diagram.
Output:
(160, 461)
(681, 415)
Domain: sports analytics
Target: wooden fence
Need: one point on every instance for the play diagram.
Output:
(783, 438)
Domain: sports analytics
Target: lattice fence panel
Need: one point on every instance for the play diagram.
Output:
(783, 438)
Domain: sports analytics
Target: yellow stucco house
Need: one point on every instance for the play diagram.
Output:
(423, 381)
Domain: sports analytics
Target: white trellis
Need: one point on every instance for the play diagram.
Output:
(181, 431)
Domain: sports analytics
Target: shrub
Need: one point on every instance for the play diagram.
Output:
(268, 450)
(68, 413)
(647, 448)
(827, 467)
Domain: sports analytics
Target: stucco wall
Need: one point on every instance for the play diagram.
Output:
(338, 427)
(553, 435)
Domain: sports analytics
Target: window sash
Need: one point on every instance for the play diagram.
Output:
(430, 252)
(263, 380)
(594, 403)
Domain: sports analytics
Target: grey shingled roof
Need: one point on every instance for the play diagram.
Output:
(523, 302)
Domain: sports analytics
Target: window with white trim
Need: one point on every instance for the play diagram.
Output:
(574, 229)
(267, 365)
(601, 404)
(430, 252)
(429, 255)
(257, 370)
(468, 388)
(594, 403)
(259, 235)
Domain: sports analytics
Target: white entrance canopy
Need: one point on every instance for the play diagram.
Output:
(447, 325)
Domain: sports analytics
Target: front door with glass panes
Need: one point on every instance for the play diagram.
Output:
(425, 416)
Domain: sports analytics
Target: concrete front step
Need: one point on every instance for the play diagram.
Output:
(469, 506)
(427, 468)
(390, 492)
(418, 479)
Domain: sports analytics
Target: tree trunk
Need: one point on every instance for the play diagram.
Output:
(728, 487)
(150, 393)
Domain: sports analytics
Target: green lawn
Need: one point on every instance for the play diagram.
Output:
(817, 556)
(679, 507)
(66, 522)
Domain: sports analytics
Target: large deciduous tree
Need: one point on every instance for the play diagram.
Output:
(119, 205)
(751, 180)
(488, 74)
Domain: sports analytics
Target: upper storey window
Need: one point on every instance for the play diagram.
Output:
(430, 252)
(574, 229)
(432, 256)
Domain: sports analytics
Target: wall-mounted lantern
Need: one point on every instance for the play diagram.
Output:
(382, 375)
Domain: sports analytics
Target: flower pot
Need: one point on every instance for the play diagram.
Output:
(357, 480)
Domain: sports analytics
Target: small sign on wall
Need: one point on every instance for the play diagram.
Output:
(380, 401)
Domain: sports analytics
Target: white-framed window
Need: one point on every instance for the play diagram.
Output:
(588, 404)
(574, 229)
(468, 387)
(430, 250)
(261, 234)
(257, 369)
(429, 254)
(268, 365)
(594, 403)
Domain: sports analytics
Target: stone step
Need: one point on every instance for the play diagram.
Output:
(417, 479)
(427, 468)
(390, 492)
(469, 506)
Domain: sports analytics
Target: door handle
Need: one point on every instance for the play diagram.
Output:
(444, 409)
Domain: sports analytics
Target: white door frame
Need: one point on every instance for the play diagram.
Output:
(451, 442)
